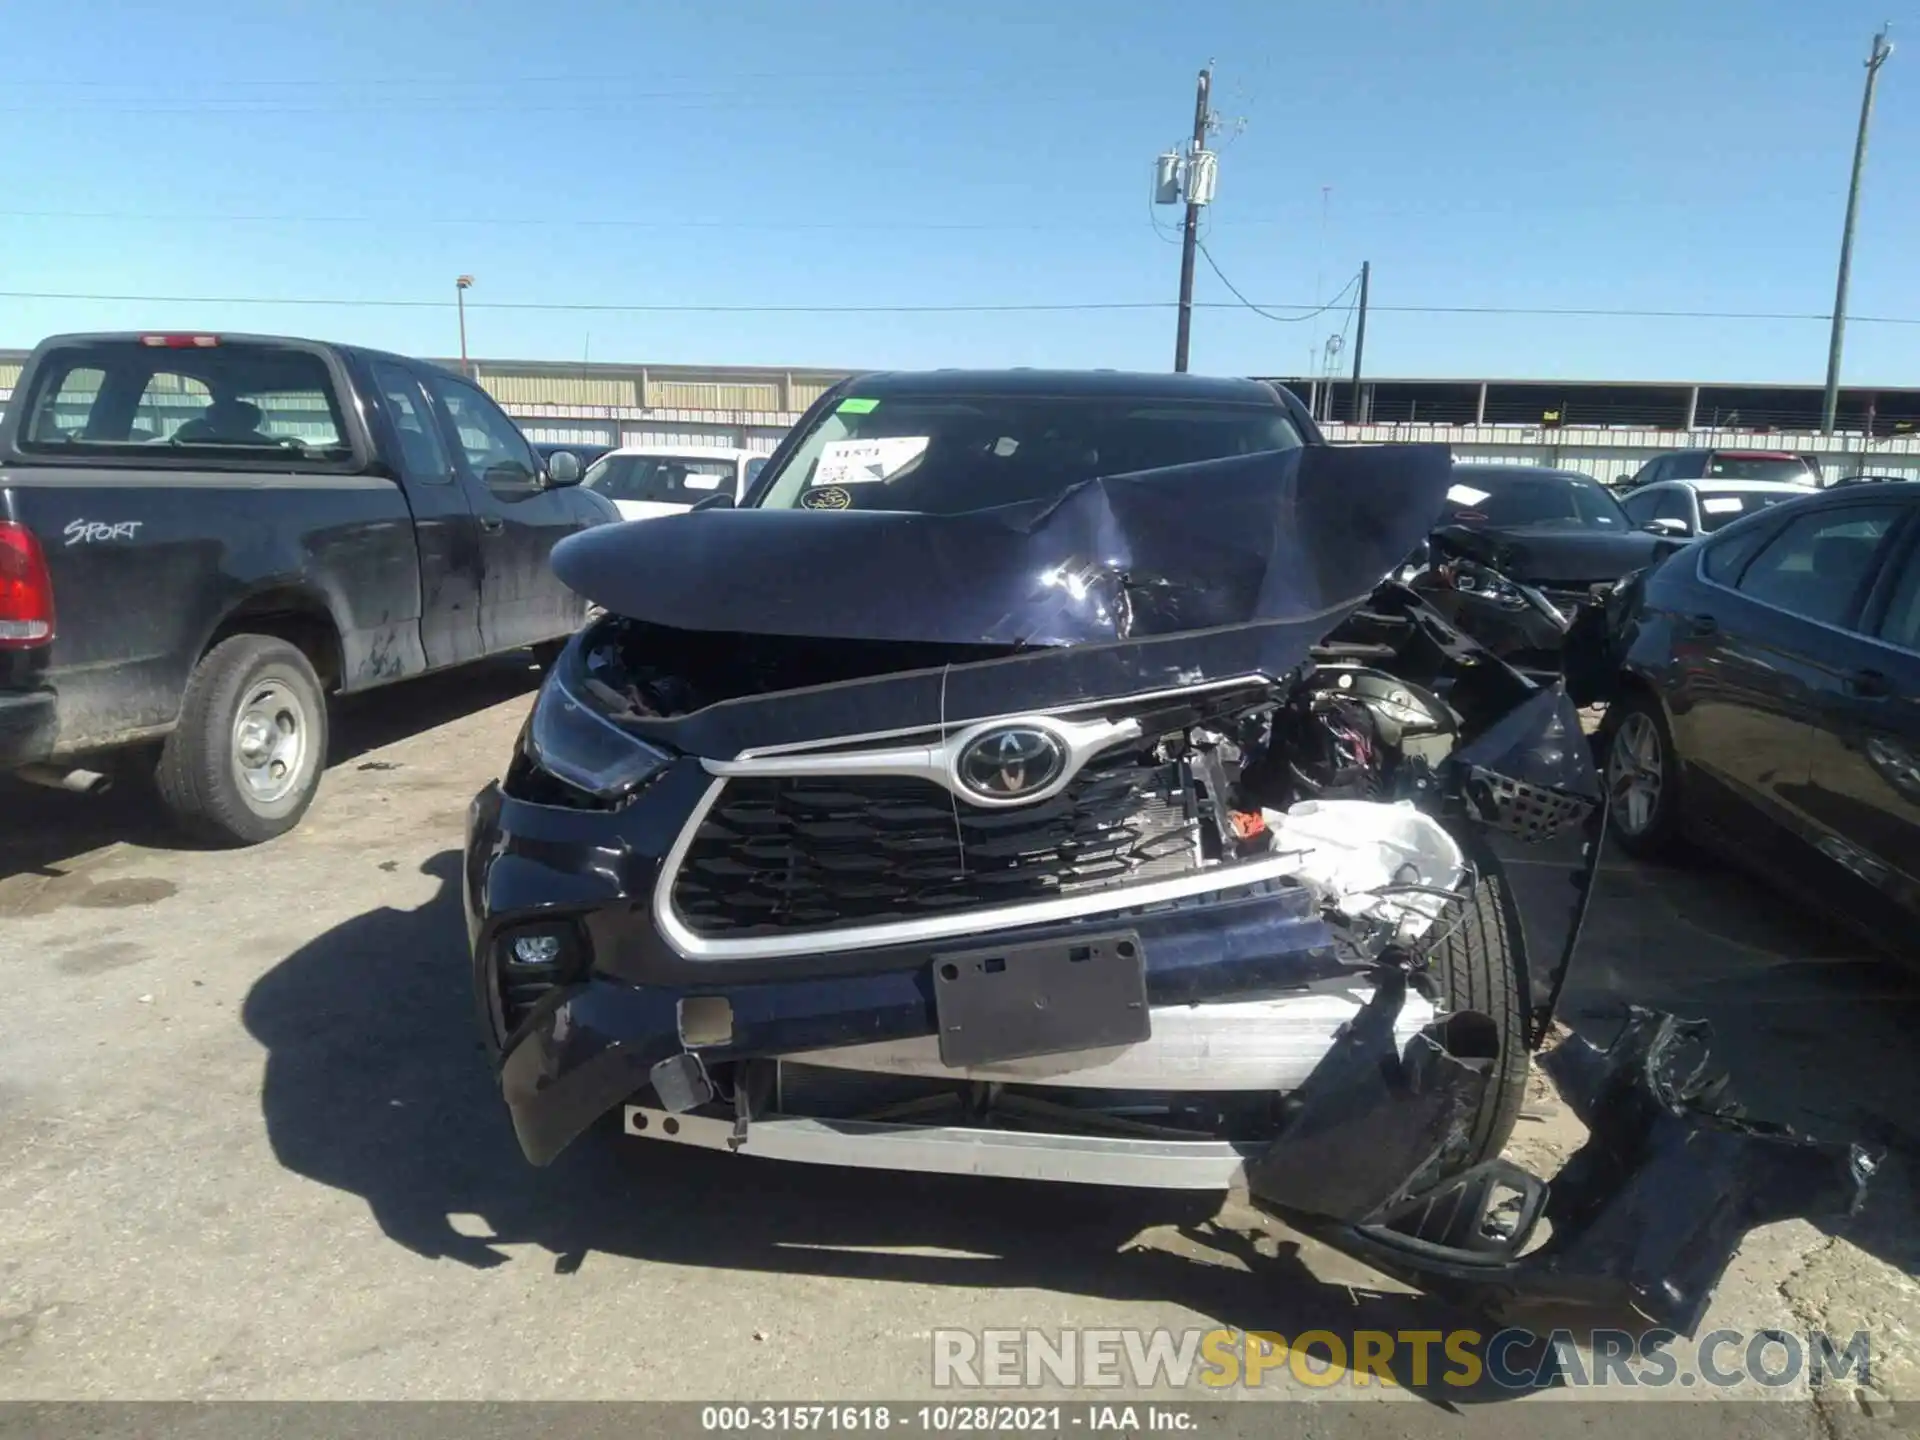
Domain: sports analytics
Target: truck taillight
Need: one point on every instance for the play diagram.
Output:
(26, 590)
(180, 342)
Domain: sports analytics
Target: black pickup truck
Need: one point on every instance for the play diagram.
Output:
(202, 536)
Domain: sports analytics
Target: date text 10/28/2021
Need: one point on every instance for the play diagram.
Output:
(947, 1419)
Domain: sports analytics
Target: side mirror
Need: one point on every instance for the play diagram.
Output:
(563, 468)
(1668, 527)
(719, 500)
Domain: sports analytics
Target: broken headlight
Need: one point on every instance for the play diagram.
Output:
(1471, 579)
(572, 740)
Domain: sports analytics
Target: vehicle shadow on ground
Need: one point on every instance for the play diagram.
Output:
(1814, 1029)
(376, 1084)
(46, 828)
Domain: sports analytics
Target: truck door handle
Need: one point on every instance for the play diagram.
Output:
(1868, 684)
(1702, 625)
(492, 524)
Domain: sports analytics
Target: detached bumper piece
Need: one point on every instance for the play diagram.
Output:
(956, 1150)
(1643, 1219)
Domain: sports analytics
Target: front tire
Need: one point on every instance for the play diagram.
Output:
(1477, 966)
(244, 762)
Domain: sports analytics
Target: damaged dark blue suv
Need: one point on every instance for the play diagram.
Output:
(1035, 776)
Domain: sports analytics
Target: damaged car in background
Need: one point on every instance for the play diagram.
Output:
(1522, 551)
(1041, 776)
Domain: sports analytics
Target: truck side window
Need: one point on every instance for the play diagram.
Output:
(496, 452)
(422, 450)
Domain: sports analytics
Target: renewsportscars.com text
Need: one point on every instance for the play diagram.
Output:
(1512, 1359)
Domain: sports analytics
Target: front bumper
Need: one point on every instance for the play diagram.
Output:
(1643, 1219)
(590, 1045)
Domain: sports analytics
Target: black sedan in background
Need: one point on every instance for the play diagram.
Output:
(1522, 550)
(1767, 702)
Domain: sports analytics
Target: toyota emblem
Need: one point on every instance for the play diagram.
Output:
(1010, 763)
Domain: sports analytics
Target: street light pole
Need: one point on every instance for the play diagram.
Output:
(1830, 403)
(460, 287)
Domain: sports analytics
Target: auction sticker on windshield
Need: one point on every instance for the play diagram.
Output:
(864, 462)
(1467, 495)
(1726, 506)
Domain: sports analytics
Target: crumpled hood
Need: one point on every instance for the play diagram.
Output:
(1300, 537)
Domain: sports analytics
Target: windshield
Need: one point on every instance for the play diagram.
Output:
(211, 397)
(951, 453)
(1724, 507)
(670, 479)
(1571, 502)
(1790, 468)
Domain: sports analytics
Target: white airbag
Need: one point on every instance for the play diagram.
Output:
(1355, 848)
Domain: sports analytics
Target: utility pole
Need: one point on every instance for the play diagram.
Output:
(460, 287)
(1831, 403)
(1190, 235)
(1359, 345)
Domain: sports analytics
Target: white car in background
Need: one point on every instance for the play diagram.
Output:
(1700, 507)
(645, 481)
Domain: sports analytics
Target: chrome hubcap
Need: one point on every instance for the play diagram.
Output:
(1634, 773)
(270, 742)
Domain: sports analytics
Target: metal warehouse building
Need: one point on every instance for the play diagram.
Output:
(1607, 428)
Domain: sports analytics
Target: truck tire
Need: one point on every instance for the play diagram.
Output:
(1477, 966)
(244, 762)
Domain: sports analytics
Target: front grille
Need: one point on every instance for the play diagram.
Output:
(782, 853)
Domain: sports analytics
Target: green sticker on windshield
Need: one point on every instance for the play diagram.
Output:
(851, 406)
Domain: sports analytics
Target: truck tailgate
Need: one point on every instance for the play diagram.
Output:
(146, 563)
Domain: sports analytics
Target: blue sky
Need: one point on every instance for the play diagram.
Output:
(1576, 155)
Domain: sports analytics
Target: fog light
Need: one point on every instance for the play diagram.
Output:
(536, 949)
(531, 964)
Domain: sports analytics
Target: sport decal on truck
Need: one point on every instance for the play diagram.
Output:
(88, 532)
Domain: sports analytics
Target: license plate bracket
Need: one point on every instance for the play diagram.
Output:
(1010, 1002)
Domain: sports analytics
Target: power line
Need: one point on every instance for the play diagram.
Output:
(590, 307)
(1214, 265)
(428, 105)
(587, 221)
(490, 81)
(457, 97)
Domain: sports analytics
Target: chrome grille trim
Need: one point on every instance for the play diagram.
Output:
(937, 762)
(937, 927)
(1109, 702)
(818, 757)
